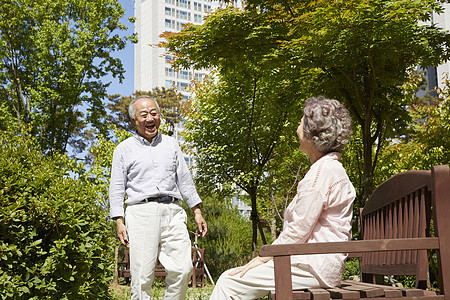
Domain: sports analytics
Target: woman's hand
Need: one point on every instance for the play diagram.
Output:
(257, 261)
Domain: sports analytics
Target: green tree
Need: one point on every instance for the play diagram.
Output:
(427, 145)
(359, 52)
(52, 57)
(236, 131)
(364, 51)
(248, 113)
(55, 237)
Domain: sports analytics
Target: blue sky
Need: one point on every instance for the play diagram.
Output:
(126, 88)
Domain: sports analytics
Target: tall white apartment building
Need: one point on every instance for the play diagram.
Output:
(153, 17)
(436, 76)
(442, 21)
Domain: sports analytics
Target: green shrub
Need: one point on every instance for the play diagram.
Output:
(352, 268)
(228, 242)
(55, 237)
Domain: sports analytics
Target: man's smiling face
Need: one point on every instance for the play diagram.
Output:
(147, 118)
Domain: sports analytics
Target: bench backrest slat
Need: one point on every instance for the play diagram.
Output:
(397, 209)
(408, 205)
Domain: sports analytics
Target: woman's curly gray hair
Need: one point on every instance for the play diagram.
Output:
(327, 123)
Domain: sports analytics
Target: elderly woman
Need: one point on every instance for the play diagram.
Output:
(321, 211)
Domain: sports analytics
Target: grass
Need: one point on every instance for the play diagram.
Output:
(119, 291)
(122, 292)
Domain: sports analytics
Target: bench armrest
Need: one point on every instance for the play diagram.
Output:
(350, 246)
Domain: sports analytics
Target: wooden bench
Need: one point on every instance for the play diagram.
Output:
(123, 267)
(403, 219)
(198, 262)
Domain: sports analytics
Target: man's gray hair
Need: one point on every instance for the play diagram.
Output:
(132, 109)
(327, 123)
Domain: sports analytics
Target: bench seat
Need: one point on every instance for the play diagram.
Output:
(350, 289)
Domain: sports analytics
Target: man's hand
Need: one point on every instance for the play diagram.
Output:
(122, 231)
(257, 261)
(201, 223)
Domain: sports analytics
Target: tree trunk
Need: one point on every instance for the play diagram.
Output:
(255, 221)
(254, 218)
(368, 158)
(273, 225)
(261, 232)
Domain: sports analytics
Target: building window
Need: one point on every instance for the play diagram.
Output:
(170, 2)
(198, 18)
(169, 84)
(198, 77)
(184, 75)
(197, 6)
(184, 3)
(183, 15)
(206, 8)
(182, 86)
(170, 23)
(170, 72)
(180, 25)
(170, 11)
(168, 59)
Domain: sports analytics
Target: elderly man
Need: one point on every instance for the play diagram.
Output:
(150, 169)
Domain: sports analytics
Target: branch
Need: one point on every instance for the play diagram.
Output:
(275, 136)
(293, 185)
(288, 7)
(379, 128)
(374, 77)
(352, 106)
(239, 184)
(380, 133)
(275, 205)
(17, 88)
(356, 87)
(250, 127)
(347, 95)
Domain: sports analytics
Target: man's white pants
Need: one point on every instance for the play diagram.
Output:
(158, 230)
(258, 282)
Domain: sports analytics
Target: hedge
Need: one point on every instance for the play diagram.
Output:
(55, 237)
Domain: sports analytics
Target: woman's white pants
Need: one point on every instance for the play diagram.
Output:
(158, 230)
(258, 282)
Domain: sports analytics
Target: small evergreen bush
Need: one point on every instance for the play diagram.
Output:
(228, 242)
